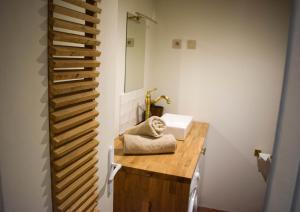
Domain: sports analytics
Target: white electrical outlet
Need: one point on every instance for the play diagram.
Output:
(176, 43)
(191, 44)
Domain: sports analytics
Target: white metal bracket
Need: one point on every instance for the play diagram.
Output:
(113, 169)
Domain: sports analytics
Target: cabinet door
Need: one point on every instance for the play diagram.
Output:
(146, 192)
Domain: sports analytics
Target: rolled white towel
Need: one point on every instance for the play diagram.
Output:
(154, 126)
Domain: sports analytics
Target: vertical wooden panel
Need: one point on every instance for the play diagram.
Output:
(72, 95)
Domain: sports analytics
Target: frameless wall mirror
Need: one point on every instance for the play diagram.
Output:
(135, 53)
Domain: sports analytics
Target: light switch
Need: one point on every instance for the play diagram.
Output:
(176, 44)
(191, 44)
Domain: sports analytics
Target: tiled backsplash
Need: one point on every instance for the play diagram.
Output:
(132, 106)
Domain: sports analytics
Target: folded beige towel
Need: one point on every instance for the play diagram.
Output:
(154, 126)
(136, 144)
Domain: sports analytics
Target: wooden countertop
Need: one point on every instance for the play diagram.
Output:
(181, 164)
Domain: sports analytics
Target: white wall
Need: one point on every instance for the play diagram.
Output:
(24, 140)
(232, 80)
(286, 163)
(108, 37)
(127, 104)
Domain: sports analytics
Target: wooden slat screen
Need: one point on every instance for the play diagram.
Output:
(72, 68)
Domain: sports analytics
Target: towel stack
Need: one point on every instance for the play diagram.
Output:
(148, 138)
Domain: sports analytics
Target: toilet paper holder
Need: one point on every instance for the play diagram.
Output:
(263, 163)
(256, 152)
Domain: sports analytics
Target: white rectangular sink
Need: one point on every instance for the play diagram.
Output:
(178, 125)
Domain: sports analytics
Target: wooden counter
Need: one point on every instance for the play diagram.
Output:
(158, 183)
(180, 165)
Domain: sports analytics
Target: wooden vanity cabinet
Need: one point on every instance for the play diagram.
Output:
(144, 192)
(158, 183)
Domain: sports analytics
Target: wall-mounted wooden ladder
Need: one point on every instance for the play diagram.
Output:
(72, 52)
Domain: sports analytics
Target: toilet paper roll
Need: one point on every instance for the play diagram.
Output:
(264, 156)
(264, 164)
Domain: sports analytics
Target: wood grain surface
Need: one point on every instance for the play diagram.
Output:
(158, 183)
(181, 164)
(72, 92)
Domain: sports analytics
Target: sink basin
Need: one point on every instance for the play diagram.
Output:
(178, 125)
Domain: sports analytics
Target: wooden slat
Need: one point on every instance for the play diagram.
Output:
(75, 14)
(74, 63)
(74, 133)
(77, 194)
(71, 38)
(72, 111)
(72, 94)
(65, 149)
(92, 208)
(73, 99)
(70, 87)
(75, 155)
(73, 122)
(67, 75)
(75, 175)
(88, 202)
(62, 174)
(82, 199)
(84, 5)
(65, 193)
(74, 26)
(73, 51)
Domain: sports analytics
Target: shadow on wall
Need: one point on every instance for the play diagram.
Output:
(296, 198)
(232, 162)
(103, 189)
(1, 195)
(43, 60)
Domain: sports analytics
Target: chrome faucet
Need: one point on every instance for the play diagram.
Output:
(149, 101)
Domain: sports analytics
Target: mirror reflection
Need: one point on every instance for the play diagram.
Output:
(135, 53)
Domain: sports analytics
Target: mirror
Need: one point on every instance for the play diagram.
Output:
(135, 53)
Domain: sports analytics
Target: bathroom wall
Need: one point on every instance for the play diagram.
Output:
(283, 188)
(131, 109)
(24, 140)
(107, 86)
(127, 104)
(24, 150)
(232, 80)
